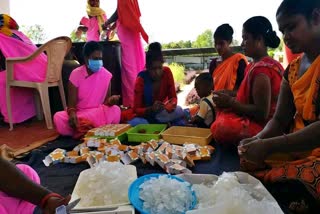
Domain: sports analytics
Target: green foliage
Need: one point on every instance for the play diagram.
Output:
(35, 32)
(235, 42)
(204, 40)
(74, 38)
(177, 72)
(280, 48)
(180, 44)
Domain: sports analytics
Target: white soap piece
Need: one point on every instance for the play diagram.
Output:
(165, 195)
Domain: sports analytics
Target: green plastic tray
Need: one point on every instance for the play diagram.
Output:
(135, 136)
(122, 137)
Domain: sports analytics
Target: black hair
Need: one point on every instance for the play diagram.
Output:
(90, 47)
(261, 26)
(155, 46)
(154, 53)
(295, 7)
(205, 78)
(224, 32)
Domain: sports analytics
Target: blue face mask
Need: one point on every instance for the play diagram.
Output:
(94, 65)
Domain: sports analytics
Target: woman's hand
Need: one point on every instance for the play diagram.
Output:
(113, 100)
(222, 100)
(254, 151)
(228, 92)
(78, 34)
(248, 140)
(73, 120)
(55, 202)
(106, 26)
(157, 106)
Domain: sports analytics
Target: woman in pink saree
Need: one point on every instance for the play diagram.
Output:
(93, 24)
(20, 191)
(13, 43)
(88, 103)
(129, 31)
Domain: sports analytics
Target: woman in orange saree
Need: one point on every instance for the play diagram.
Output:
(246, 114)
(227, 70)
(286, 153)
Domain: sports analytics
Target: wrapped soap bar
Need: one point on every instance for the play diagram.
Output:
(163, 147)
(210, 148)
(170, 152)
(150, 157)
(55, 157)
(73, 153)
(154, 144)
(123, 148)
(189, 161)
(113, 158)
(162, 160)
(130, 157)
(179, 154)
(204, 153)
(91, 141)
(73, 159)
(177, 161)
(84, 150)
(146, 148)
(177, 169)
(196, 156)
(99, 157)
(142, 157)
(102, 149)
(80, 146)
(191, 149)
(115, 141)
(85, 156)
(137, 149)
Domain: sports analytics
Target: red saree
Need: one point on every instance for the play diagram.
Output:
(230, 128)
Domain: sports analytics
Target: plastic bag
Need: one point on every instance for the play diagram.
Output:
(261, 201)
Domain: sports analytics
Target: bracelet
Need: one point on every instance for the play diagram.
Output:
(46, 198)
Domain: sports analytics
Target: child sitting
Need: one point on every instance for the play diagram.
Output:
(206, 113)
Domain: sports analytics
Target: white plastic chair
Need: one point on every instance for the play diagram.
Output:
(55, 49)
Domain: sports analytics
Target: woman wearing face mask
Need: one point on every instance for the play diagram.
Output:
(88, 95)
(155, 95)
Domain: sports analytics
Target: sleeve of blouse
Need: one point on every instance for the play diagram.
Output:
(139, 106)
(74, 78)
(84, 21)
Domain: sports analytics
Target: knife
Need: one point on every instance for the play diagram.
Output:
(67, 209)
